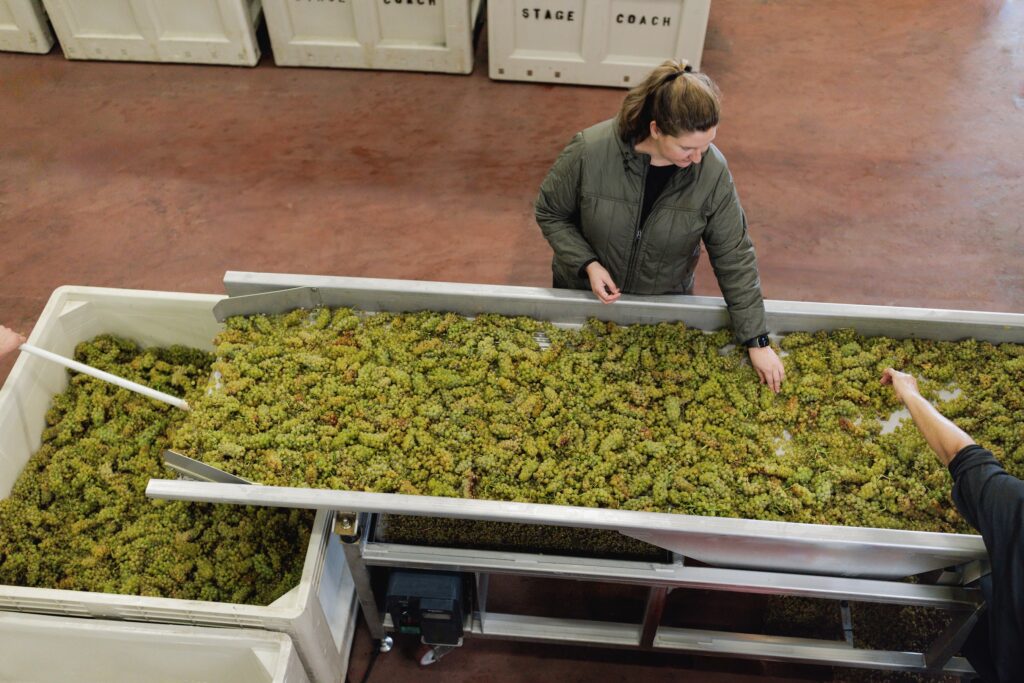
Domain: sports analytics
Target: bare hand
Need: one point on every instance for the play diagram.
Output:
(601, 283)
(9, 340)
(902, 383)
(769, 366)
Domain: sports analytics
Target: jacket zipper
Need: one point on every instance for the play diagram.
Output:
(637, 233)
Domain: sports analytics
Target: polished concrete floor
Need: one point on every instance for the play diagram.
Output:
(878, 148)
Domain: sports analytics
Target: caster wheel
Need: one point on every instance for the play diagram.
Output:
(427, 656)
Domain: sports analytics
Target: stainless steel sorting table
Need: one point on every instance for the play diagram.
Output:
(752, 556)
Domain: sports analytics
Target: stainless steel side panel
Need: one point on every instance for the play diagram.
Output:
(569, 306)
(724, 542)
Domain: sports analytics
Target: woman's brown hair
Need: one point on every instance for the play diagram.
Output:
(679, 100)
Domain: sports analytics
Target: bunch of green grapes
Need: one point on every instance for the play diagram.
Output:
(78, 518)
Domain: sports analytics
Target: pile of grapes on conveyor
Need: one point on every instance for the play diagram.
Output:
(641, 417)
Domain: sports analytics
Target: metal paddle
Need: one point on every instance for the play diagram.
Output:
(193, 469)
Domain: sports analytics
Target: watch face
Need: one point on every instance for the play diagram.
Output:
(761, 341)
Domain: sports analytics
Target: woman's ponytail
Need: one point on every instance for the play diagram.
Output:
(676, 98)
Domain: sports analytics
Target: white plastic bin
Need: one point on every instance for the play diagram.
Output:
(319, 613)
(191, 31)
(23, 27)
(403, 35)
(38, 649)
(592, 42)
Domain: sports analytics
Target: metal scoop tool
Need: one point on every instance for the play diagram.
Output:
(190, 468)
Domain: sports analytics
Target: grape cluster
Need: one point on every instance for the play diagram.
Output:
(77, 517)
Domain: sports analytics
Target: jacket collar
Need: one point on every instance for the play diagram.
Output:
(632, 160)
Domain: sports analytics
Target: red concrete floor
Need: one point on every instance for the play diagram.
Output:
(878, 148)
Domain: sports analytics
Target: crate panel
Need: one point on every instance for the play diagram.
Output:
(42, 606)
(432, 35)
(193, 20)
(644, 30)
(112, 652)
(23, 27)
(593, 42)
(189, 31)
(31, 35)
(103, 19)
(538, 30)
(316, 21)
(412, 24)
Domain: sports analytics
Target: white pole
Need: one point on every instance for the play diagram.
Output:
(105, 376)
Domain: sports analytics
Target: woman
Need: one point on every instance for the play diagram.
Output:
(628, 202)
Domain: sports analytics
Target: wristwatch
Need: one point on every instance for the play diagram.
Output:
(760, 341)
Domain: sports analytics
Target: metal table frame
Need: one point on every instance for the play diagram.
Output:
(751, 556)
(362, 553)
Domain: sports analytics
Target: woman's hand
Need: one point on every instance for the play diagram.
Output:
(601, 283)
(769, 366)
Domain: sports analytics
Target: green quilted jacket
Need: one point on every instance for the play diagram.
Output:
(589, 208)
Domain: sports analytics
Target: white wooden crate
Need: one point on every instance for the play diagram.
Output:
(23, 27)
(190, 31)
(592, 42)
(47, 649)
(319, 613)
(402, 35)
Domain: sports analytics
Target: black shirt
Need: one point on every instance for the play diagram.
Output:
(992, 501)
(657, 178)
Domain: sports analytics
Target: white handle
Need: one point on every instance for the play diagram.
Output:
(105, 376)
